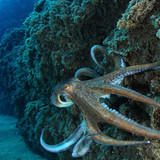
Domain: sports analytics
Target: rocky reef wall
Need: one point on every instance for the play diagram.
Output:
(57, 41)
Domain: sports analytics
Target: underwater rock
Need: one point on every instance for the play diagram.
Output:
(10, 70)
(64, 31)
(57, 41)
(138, 41)
(136, 13)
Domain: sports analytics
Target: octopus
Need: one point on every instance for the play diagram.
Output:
(85, 90)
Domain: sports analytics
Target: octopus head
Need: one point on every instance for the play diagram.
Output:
(61, 95)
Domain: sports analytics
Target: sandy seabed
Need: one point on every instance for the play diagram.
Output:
(12, 146)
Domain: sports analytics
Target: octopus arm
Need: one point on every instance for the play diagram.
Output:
(117, 76)
(99, 137)
(94, 49)
(86, 72)
(119, 63)
(125, 92)
(113, 117)
(103, 139)
(82, 146)
(66, 144)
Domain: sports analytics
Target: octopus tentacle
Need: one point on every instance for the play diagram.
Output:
(101, 138)
(86, 72)
(127, 124)
(82, 146)
(66, 144)
(125, 92)
(117, 76)
(94, 49)
(119, 63)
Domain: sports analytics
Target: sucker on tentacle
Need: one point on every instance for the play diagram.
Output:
(118, 75)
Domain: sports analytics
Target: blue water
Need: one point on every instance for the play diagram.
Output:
(12, 146)
(13, 13)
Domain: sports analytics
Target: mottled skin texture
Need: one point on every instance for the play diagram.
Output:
(86, 94)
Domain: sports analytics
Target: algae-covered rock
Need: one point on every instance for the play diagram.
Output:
(64, 31)
(57, 42)
(11, 48)
(136, 38)
(136, 13)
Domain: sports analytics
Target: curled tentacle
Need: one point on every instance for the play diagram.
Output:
(84, 73)
(66, 144)
(95, 49)
(119, 63)
(82, 146)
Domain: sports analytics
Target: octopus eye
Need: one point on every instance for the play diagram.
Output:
(62, 101)
(66, 86)
(62, 98)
